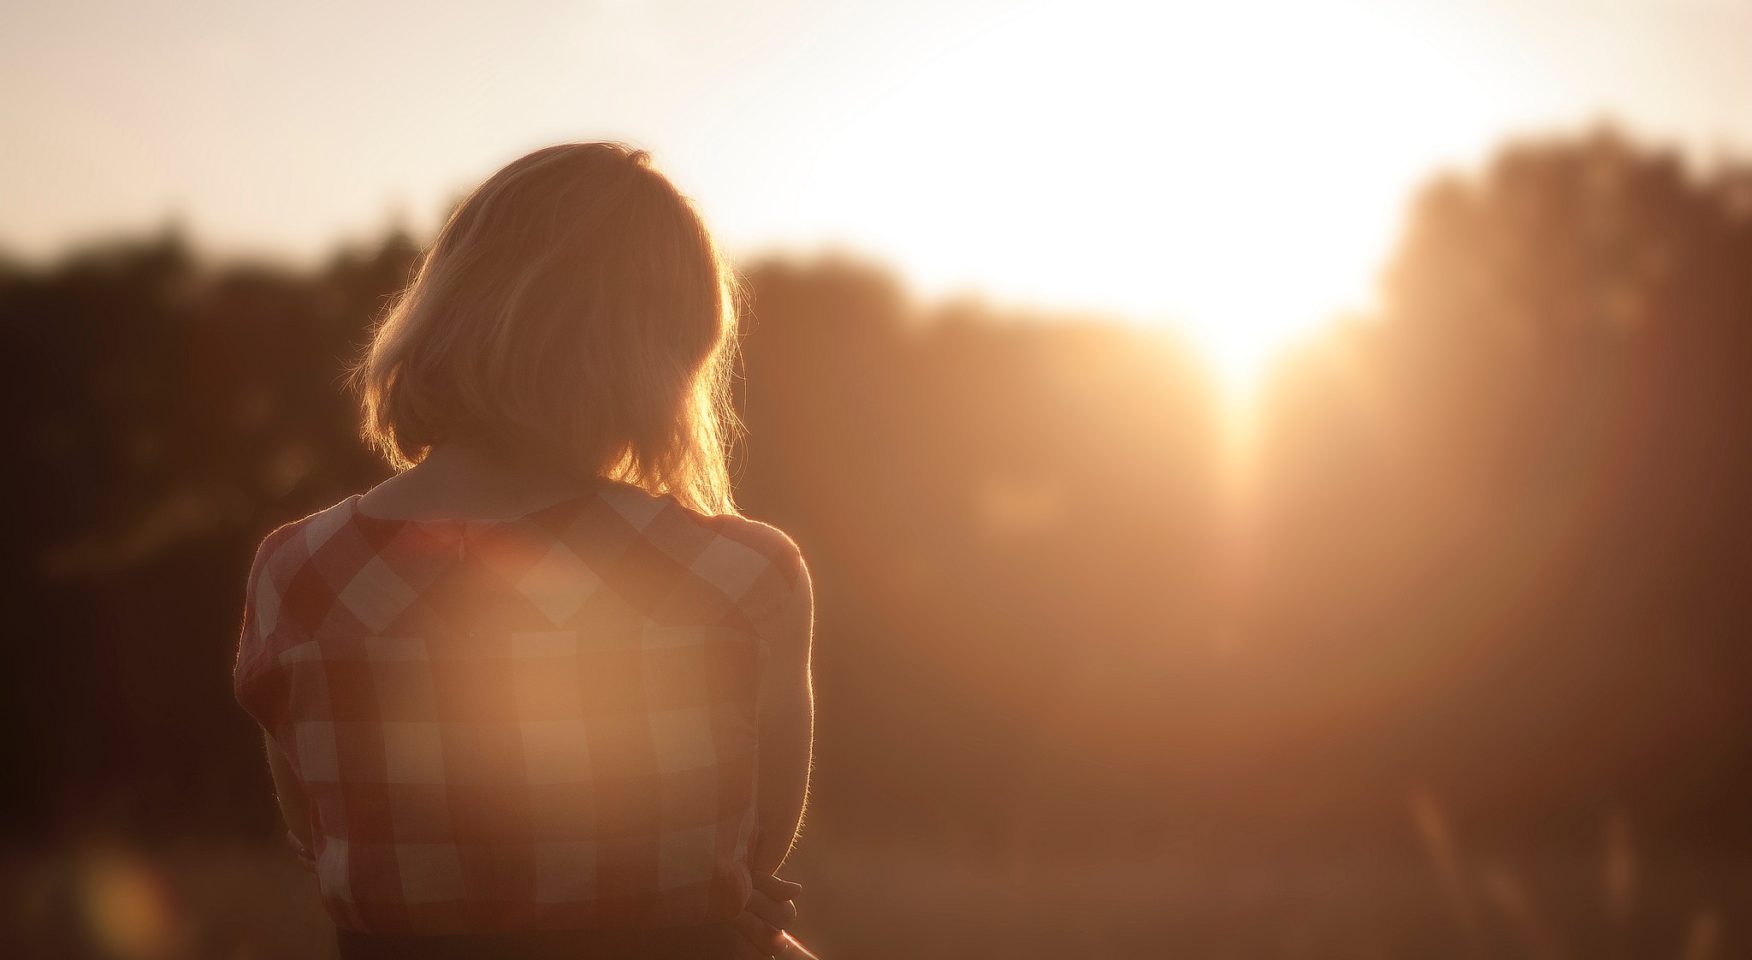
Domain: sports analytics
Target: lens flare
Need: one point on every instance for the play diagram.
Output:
(130, 910)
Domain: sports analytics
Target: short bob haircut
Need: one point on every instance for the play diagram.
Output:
(573, 312)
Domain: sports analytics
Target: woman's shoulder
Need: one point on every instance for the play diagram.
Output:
(279, 582)
(294, 542)
(271, 594)
(756, 563)
(733, 535)
(753, 562)
(772, 545)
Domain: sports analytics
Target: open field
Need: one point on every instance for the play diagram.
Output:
(242, 903)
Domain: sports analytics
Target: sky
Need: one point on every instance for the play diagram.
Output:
(1236, 165)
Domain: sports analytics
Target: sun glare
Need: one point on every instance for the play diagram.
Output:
(1186, 166)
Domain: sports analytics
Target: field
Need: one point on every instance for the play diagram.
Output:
(866, 902)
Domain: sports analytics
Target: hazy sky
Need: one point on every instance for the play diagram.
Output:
(1149, 157)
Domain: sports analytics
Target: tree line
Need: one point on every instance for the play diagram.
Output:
(1493, 546)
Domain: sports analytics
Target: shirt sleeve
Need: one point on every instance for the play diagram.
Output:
(781, 593)
(253, 682)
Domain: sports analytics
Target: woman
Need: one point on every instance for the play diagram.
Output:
(544, 692)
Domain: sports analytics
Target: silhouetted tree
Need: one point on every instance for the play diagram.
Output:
(1498, 546)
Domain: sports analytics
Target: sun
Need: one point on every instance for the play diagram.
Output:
(1180, 165)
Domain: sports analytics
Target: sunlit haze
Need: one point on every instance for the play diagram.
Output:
(1234, 171)
(1190, 478)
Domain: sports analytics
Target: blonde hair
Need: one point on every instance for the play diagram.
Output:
(574, 311)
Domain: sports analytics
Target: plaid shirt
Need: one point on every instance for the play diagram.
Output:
(539, 723)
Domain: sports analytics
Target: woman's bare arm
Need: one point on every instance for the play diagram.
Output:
(787, 729)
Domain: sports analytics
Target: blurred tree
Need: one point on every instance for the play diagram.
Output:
(1498, 545)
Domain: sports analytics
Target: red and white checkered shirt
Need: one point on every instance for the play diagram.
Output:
(540, 723)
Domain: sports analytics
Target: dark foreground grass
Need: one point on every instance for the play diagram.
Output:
(896, 901)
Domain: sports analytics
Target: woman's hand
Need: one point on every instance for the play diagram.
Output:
(771, 908)
(301, 851)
